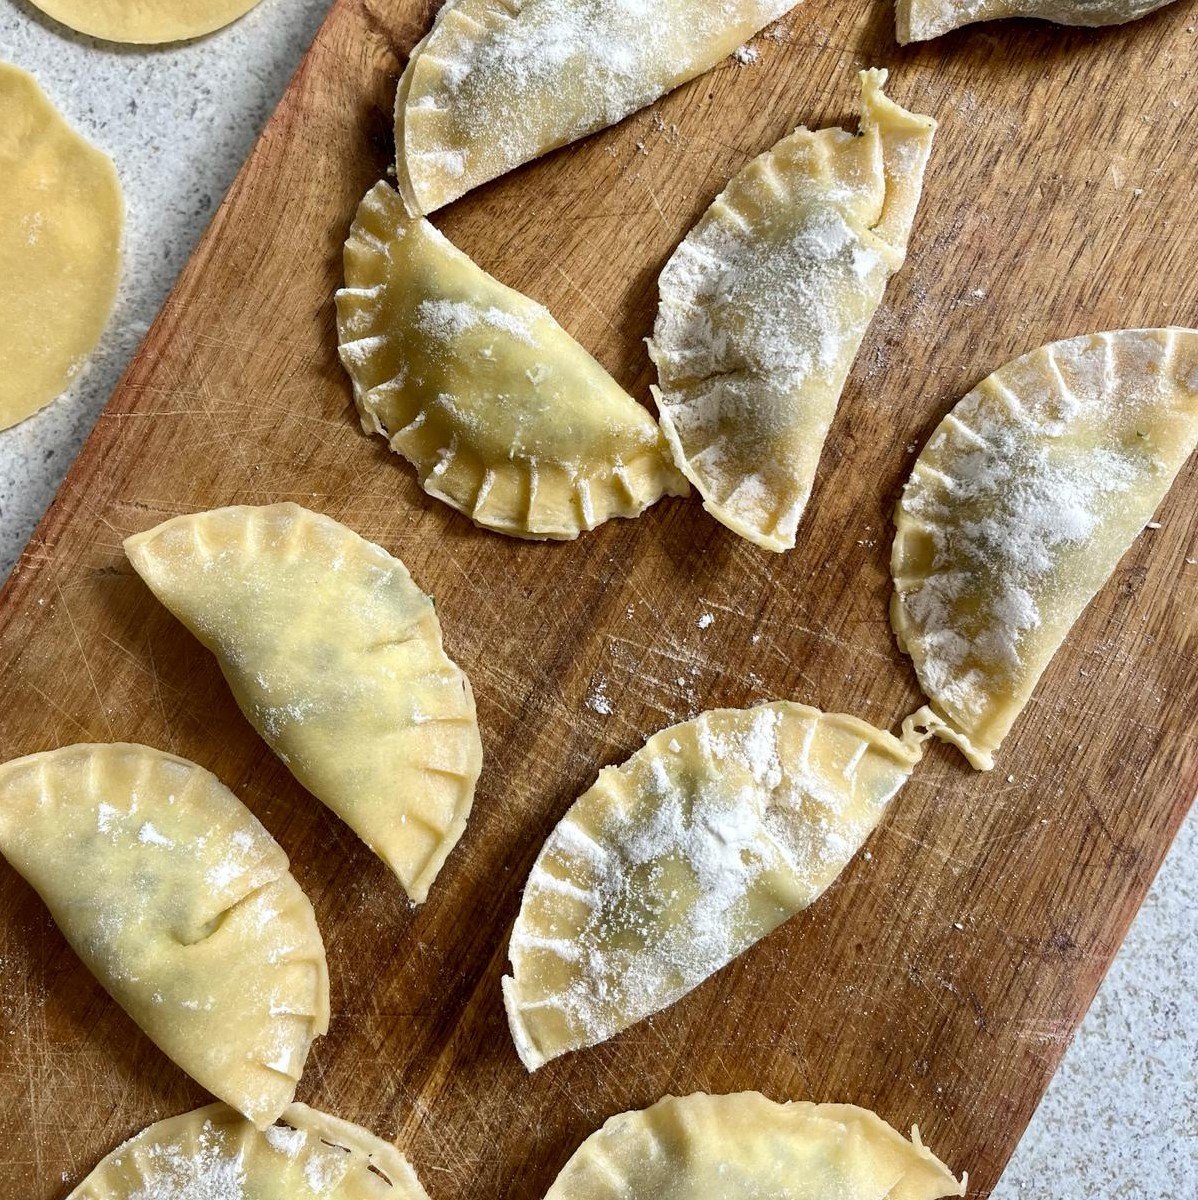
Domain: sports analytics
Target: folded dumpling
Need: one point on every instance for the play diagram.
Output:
(711, 835)
(212, 1154)
(504, 415)
(496, 83)
(919, 20)
(335, 657)
(1018, 508)
(745, 1147)
(764, 305)
(182, 906)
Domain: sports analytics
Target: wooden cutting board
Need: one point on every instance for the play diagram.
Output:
(941, 978)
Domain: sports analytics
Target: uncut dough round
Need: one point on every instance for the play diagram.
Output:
(61, 214)
(145, 22)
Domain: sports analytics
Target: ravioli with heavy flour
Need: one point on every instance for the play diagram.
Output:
(706, 839)
(504, 416)
(182, 906)
(745, 1147)
(496, 83)
(212, 1154)
(335, 656)
(919, 20)
(1018, 509)
(764, 305)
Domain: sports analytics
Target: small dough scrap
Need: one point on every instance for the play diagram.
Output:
(335, 657)
(764, 306)
(745, 1147)
(706, 839)
(497, 83)
(504, 415)
(145, 22)
(212, 1154)
(181, 904)
(919, 20)
(61, 215)
(1019, 508)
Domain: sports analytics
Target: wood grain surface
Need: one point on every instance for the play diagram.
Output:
(941, 978)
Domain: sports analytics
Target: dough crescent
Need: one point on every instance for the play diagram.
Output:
(61, 214)
(764, 305)
(1019, 508)
(919, 20)
(145, 22)
(497, 83)
(213, 1154)
(335, 657)
(181, 904)
(745, 1147)
(711, 835)
(504, 415)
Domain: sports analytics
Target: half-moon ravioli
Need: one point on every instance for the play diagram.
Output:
(335, 657)
(1018, 508)
(745, 1147)
(496, 83)
(504, 415)
(706, 839)
(919, 20)
(764, 305)
(212, 1154)
(182, 906)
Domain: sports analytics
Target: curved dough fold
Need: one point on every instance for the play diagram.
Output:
(496, 83)
(61, 215)
(764, 305)
(706, 839)
(212, 1154)
(919, 20)
(1018, 509)
(745, 1147)
(504, 415)
(335, 657)
(182, 906)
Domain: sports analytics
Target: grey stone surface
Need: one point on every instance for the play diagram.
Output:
(1121, 1118)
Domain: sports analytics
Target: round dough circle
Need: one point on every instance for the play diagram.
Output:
(145, 21)
(61, 214)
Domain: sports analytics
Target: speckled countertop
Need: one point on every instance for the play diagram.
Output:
(1120, 1120)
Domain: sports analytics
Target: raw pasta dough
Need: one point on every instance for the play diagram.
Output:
(145, 21)
(764, 306)
(212, 1154)
(1018, 509)
(335, 656)
(181, 904)
(919, 20)
(706, 839)
(497, 83)
(61, 214)
(504, 415)
(745, 1147)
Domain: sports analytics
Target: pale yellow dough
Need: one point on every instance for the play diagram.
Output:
(181, 904)
(212, 1154)
(764, 305)
(706, 839)
(919, 20)
(145, 21)
(335, 657)
(61, 214)
(496, 83)
(504, 415)
(745, 1147)
(1018, 509)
